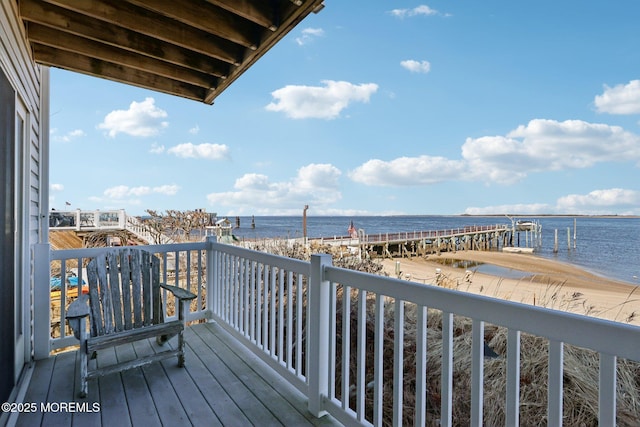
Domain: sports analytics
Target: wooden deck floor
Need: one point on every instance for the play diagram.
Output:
(222, 385)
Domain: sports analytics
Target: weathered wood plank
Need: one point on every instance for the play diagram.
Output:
(61, 390)
(104, 341)
(191, 398)
(269, 390)
(126, 295)
(96, 323)
(211, 385)
(117, 279)
(37, 392)
(142, 409)
(179, 292)
(165, 398)
(242, 376)
(143, 264)
(158, 313)
(256, 411)
(112, 389)
(132, 364)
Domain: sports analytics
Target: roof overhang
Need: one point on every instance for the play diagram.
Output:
(192, 48)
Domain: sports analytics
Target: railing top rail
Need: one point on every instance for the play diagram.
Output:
(290, 264)
(601, 335)
(59, 254)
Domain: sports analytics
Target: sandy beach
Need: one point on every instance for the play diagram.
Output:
(544, 282)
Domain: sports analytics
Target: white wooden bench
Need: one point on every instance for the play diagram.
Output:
(124, 305)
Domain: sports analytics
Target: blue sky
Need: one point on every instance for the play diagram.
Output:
(379, 107)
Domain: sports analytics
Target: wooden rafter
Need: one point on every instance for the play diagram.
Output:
(194, 49)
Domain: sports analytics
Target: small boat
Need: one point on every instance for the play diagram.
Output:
(517, 250)
(525, 225)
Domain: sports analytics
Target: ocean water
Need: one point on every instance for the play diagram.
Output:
(609, 247)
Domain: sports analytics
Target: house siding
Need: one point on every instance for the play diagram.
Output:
(30, 83)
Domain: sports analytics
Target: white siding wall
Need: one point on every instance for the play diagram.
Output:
(30, 82)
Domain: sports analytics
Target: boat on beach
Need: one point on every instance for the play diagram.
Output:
(517, 250)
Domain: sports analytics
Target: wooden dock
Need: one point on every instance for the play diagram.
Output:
(422, 243)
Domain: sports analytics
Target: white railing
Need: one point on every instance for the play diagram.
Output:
(87, 220)
(135, 226)
(326, 330)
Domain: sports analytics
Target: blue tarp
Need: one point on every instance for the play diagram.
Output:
(72, 282)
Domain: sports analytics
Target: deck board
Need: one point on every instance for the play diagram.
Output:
(60, 390)
(165, 399)
(111, 391)
(222, 384)
(37, 391)
(226, 409)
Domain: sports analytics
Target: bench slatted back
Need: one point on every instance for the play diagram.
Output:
(124, 291)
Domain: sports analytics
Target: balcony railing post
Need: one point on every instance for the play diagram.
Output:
(318, 303)
(41, 301)
(212, 282)
(122, 219)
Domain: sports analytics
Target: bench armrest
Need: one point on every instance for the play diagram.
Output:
(180, 293)
(79, 308)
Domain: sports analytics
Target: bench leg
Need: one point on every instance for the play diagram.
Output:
(181, 348)
(181, 309)
(84, 388)
(80, 331)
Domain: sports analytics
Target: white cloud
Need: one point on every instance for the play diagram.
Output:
(541, 145)
(612, 197)
(156, 149)
(613, 201)
(69, 136)
(308, 35)
(416, 66)
(142, 119)
(167, 190)
(194, 130)
(314, 184)
(515, 209)
(620, 99)
(124, 191)
(416, 11)
(56, 187)
(200, 151)
(408, 171)
(322, 102)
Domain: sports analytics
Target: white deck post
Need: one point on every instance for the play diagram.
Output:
(211, 277)
(607, 390)
(122, 219)
(318, 304)
(41, 301)
(554, 391)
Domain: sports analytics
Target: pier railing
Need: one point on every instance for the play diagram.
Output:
(433, 234)
(325, 330)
